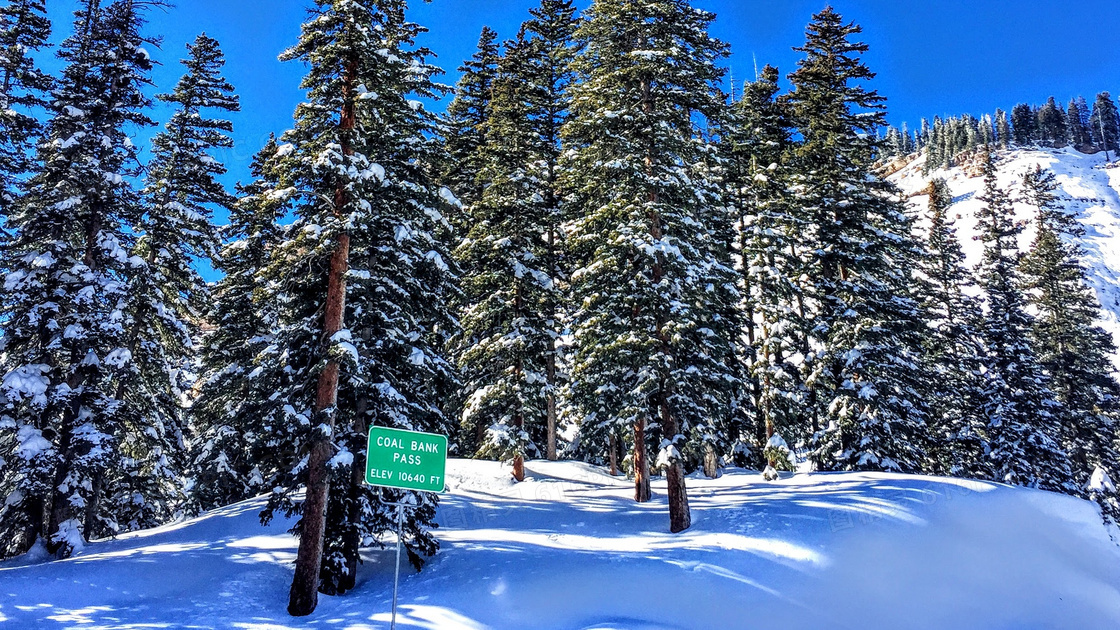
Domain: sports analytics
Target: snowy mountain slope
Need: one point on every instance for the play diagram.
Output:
(569, 550)
(1090, 191)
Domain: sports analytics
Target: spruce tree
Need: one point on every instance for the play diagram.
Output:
(24, 31)
(1079, 135)
(1073, 350)
(361, 286)
(553, 26)
(652, 276)
(236, 451)
(507, 334)
(66, 292)
(1023, 419)
(1052, 125)
(467, 115)
(864, 363)
(508, 350)
(1104, 124)
(953, 346)
(1003, 129)
(166, 294)
(756, 139)
(1024, 123)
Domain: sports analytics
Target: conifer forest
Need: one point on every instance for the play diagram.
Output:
(596, 246)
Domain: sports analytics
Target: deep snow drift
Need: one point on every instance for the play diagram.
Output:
(1088, 189)
(569, 550)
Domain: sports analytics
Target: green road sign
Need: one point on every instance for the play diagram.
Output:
(406, 459)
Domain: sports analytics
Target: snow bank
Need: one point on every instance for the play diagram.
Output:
(569, 550)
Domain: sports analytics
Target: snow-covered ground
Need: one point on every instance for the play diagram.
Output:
(569, 550)
(1089, 190)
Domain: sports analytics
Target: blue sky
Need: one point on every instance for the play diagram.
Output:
(933, 56)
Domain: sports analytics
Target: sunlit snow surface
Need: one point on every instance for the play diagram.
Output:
(1089, 190)
(569, 550)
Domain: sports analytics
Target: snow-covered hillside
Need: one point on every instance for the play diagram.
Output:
(569, 550)
(1089, 189)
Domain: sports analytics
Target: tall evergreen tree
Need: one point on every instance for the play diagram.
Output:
(1079, 135)
(235, 453)
(1073, 350)
(1022, 416)
(361, 284)
(66, 291)
(1053, 127)
(467, 115)
(553, 26)
(755, 139)
(1003, 129)
(166, 294)
(1104, 124)
(652, 275)
(1024, 123)
(864, 368)
(507, 335)
(953, 346)
(508, 351)
(24, 31)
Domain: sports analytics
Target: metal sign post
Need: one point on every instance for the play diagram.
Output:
(405, 460)
(397, 574)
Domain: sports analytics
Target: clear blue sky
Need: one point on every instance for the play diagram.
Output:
(933, 56)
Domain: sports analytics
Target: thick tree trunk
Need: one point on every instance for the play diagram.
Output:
(304, 595)
(680, 517)
(642, 492)
(711, 462)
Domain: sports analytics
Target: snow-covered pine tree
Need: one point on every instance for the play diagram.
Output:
(651, 280)
(235, 451)
(553, 26)
(865, 369)
(1052, 125)
(1073, 350)
(953, 347)
(507, 334)
(24, 31)
(1079, 135)
(1104, 124)
(1003, 129)
(755, 139)
(66, 291)
(465, 132)
(1023, 419)
(1024, 125)
(361, 285)
(511, 335)
(166, 295)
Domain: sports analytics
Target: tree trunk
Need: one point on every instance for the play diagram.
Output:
(711, 462)
(551, 374)
(680, 517)
(352, 537)
(613, 454)
(642, 492)
(93, 504)
(304, 595)
(519, 458)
